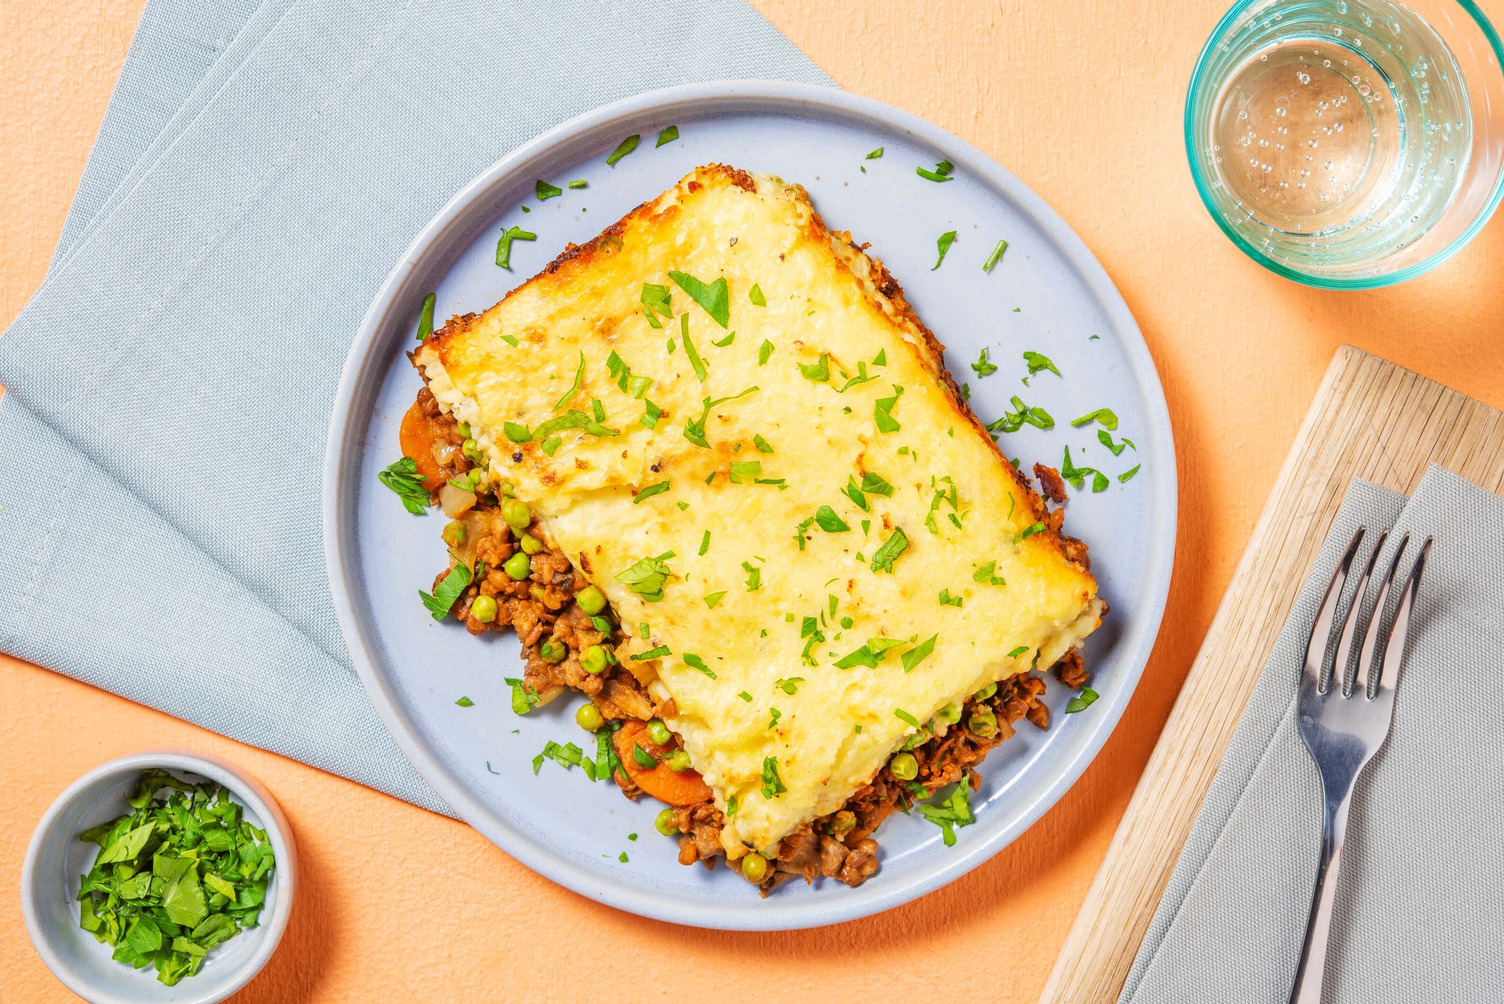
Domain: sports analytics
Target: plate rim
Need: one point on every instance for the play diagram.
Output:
(746, 96)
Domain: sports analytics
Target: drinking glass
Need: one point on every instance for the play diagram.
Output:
(1349, 144)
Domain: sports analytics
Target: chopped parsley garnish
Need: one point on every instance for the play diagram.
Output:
(985, 574)
(754, 576)
(425, 317)
(876, 484)
(883, 557)
(650, 491)
(667, 136)
(578, 183)
(818, 371)
(714, 297)
(647, 576)
(1082, 701)
(872, 652)
(524, 697)
(745, 696)
(764, 352)
(940, 173)
(579, 378)
(943, 245)
(689, 349)
(744, 471)
(174, 877)
(882, 411)
(1018, 651)
(544, 190)
(1105, 438)
(705, 543)
(1038, 363)
(919, 653)
(982, 366)
(694, 431)
(1077, 475)
(722, 343)
(643, 757)
(947, 600)
(789, 685)
(1104, 415)
(1022, 415)
(447, 591)
(875, 154)
(827, 520)
(517, 432)
(1127, 475)
(995, 257)
(903, 715)
(504, 244)
(755, 295)
(953, 812)
(695, 662)
(772, 784)
(573, 420)
(711, 599)
(856, 495)
(1031, 530)
(650, 414)
(652, 653)
(773, 715)
(862, 376)
(656, 301)
(465, 702)
(731, 805)
(401, 476)
(763, 446)
(625, 147)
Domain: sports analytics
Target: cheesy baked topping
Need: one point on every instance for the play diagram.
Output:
(732, 422)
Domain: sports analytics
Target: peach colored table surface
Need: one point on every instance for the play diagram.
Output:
(1083, 103)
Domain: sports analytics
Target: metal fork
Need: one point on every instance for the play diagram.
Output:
(1343, 727)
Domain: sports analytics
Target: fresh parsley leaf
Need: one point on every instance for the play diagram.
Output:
(773, 715)
(943, 245)
(646, 577)
(1031, 530)
(689, 349)
(827, 520)
(715, 297)
(705, 543)
(504, 244)
(579, 378)
(1106, 416)
(657, 302)
(401, 476)
(954, 811)
(755, 295)
(818, 371)
(1038, 363)
(1018, 651)
(1082, 701)
(919, 653)
(985, 574)
(711, 599)
(517, 432)
(995, 256)
(855, 493)
(652, 653)
(763, 446)
(667, 136)
(695, 662)
(754, 576)
(947, 600)
(772, 784)
(1127, 475)
(425, 317)
(723, 342)
(982, 366)
(883, 557)
(789, 685)
(650, 490)
(623, 148)
(940, 173)
(882, 411)
(446, 592)
(903, 715)
(643, 757)
(465, 702)
(764, 352)
(876, 484)
(573, 420)
(544, 190)
(875, 154)
(578, 183)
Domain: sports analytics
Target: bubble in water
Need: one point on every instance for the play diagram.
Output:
(1364, 90)
(1280, 112)
(1303, 77)
(1328, 165)
(1337, 30)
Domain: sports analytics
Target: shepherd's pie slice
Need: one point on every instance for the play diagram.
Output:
(732, 422)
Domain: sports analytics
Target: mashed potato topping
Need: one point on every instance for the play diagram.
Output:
(731, 421)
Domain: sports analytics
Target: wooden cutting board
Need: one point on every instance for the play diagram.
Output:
(1371, 419)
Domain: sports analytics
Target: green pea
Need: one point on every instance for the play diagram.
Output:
(659, 733)
(454, 533)
(844, 822)
(531, 544)
(983, 723)
(517, 566)
(465, 429)
(591, 600)
(471, 449)
(679, 762)
(589, 717)
(665, 824)
(754, 867)
(483, 608)
(950, 714)
(516, 513)
(986, 692)
(552, 650)
(594, 659)
(904, 767)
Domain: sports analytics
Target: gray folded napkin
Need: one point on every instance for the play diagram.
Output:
(1419, 914)
(169, 387)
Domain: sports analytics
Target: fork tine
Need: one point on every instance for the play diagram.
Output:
(1321, 631)
(1394, 650)
(1371, 636)
(1350, 622)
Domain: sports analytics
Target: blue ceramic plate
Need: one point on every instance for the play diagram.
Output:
(1047, 294)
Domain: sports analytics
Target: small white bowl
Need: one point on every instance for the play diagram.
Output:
(57, 859)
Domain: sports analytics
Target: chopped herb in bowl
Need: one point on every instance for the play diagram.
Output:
(178, 875)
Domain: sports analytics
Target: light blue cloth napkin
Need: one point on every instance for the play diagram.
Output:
(1419, 913)
(169, 386)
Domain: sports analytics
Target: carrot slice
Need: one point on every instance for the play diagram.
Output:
(663, 784)
(417, 435)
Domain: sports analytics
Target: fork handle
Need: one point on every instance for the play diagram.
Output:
(1308, 977)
